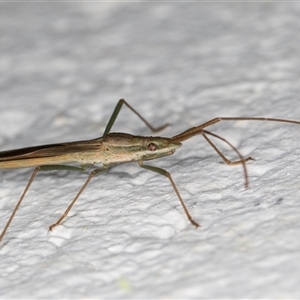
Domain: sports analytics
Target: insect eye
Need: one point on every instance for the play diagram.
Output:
(151, 147)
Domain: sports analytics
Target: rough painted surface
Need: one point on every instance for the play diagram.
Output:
(63, 67)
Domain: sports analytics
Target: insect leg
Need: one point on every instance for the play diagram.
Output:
(36, 170)
(92, 174)
(168, 175)
(116, 112)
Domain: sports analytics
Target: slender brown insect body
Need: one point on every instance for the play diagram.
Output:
(115, 148)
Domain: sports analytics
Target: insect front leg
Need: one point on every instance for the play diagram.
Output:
(168, 175)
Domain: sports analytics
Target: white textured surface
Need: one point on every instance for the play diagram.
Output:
(62, 69)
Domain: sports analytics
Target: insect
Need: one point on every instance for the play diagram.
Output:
(115, 148)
